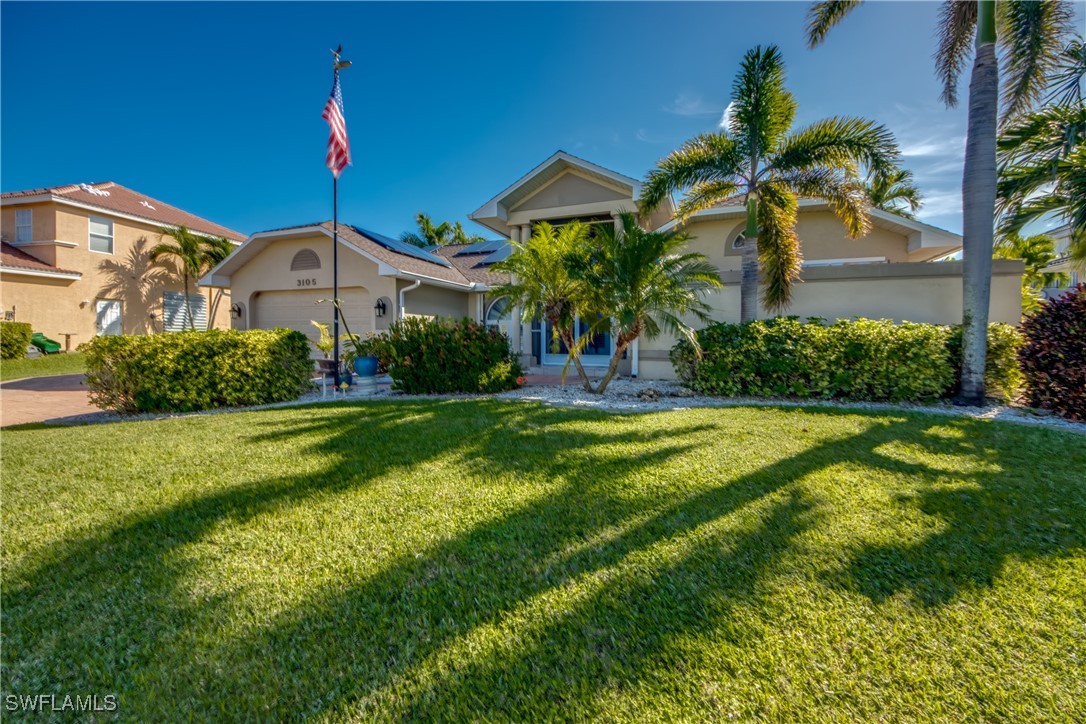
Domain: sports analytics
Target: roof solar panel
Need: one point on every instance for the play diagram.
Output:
(500, 255)
(402, 247)
(481, 247)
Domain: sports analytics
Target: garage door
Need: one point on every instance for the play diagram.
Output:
(295, 308)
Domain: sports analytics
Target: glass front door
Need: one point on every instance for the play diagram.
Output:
(596, 351)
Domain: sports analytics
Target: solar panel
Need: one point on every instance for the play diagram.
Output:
(500, 255)
(481, 247)
(402, 247)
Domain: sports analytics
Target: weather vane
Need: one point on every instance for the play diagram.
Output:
(336, 62)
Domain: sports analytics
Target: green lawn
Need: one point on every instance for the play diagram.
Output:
(44, 366)
(494, 560)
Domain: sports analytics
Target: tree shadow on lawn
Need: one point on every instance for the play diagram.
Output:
(601, 582)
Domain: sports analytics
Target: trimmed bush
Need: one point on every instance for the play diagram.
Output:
(188, 371)
(439, 356)
(1002, 376)
(860, 359)
(14, 339)
(1053, 357)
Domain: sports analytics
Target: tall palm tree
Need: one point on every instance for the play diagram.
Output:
(640, 283)
(430, 234)
(1030, 36)
(757, 157)
(189, 257)
(895, 192)
(541, 282)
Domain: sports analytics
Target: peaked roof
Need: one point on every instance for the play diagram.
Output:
(113, 197)
(493, 213)
(393, 257)
(12, 257)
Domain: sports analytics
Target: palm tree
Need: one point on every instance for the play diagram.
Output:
(136, 280)
(541, 282)
(639, 283)
(757, 157)
(441, 234)
(189, 255)
(895, 192)
(1042, 158)
(1037, 252)
(1030, 34)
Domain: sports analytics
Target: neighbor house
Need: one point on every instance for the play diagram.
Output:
(75, 263)
(1063, 263)
(277, 277)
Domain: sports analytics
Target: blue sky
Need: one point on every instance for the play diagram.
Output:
(215, 107)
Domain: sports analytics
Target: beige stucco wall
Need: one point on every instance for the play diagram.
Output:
(54, 307)
(432, 301)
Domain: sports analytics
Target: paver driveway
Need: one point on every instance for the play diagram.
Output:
(43, 399)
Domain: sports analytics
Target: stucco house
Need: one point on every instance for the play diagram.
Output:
(276, 277)
(74, 262)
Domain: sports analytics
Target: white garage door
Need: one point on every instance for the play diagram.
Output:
(295, 308)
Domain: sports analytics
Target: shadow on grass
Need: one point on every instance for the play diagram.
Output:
(599, 583)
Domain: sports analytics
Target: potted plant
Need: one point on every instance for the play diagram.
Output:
(360, 356)
(325, 344)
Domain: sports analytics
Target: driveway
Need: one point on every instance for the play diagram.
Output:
(43, 399)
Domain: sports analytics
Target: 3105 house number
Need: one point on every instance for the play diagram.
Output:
(307, 282)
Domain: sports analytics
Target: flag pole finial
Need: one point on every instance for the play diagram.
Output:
(338, 64)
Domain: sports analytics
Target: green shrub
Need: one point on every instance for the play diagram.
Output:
(14, 339)
(1002, 375)
(187, 371)
(1053, 357)
(427, 356)
(860, 359)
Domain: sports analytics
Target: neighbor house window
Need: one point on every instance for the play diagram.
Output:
(101, 235)
(24, 225)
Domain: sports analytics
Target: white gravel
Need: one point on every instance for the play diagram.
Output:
(626, 395)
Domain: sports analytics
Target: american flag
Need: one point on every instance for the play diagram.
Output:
(339, 148)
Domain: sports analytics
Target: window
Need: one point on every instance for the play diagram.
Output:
(101, 235)
(175, 312)
(24, 225)
(305, 260)
(496, 317)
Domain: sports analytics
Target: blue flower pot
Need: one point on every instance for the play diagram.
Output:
(365, 366)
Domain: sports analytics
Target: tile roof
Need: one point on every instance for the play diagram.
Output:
(112, 196)
(12, 257)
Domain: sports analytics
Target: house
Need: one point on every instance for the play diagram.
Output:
(75, 263)
(1063, 263)
(277, 277)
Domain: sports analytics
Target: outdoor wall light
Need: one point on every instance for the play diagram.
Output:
(235, 311)
(380, 308)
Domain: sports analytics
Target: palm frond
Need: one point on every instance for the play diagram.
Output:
(1031, 36)
(895, 192)
(957, 23)
(823, 16)
(778, 245)
(845, 195)
(841, 143)
(762, 108)
(703, 195)
(705, 158)
(1068, 78)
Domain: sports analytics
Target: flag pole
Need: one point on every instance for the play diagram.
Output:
(335, 272)
(339, 156)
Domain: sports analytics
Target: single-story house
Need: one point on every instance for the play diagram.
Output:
(276, 278)
(75, 263)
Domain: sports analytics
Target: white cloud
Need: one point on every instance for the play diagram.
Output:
(691, 104)
(645, 136)
(728, 116)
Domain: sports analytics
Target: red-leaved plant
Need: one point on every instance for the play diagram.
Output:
(1053, 358)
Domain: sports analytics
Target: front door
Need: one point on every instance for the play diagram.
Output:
(108, 320)
(595, 353)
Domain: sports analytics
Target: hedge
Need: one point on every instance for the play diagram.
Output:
(188, 371)
(860, 359)
(14, 339)
(440, 356)
(1053, 357)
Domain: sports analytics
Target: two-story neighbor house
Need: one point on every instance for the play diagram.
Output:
(75, 263)
(276, 277)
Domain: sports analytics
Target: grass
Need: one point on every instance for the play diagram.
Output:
(486, 560)
(68, 363)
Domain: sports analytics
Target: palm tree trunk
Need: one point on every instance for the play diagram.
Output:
(567, 339)
(188, 305)
(612, 368)
(748, 289)
(978, 208)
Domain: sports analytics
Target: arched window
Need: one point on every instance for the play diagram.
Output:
(497, 315)
(305, 260)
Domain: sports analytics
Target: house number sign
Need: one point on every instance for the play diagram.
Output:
(307, 282)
